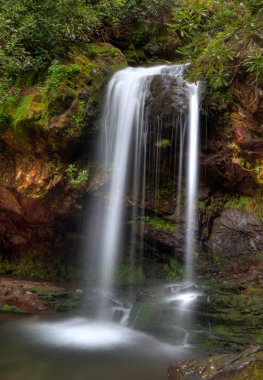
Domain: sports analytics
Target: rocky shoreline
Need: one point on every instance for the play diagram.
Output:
(37, 297)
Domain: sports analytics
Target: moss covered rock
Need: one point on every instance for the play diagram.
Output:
(245, 366)
(44, 121)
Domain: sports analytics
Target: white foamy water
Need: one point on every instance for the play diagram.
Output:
(125, 140)
(82, 333)
(192, 178)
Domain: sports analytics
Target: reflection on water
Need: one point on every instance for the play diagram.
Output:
(80, 349)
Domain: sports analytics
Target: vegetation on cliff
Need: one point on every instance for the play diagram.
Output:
(218, 39)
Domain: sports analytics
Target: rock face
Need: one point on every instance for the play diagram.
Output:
(233, 155)
(236, 234)
(42, 180)
(248, 365)
(168, 97)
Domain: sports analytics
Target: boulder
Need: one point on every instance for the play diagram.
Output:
(168, 97)
(236, 234)
(247, 365)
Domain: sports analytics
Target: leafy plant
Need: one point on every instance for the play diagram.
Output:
(173, 270)
(71, 170)
(76, 177)
(216, 39)
(254, 65)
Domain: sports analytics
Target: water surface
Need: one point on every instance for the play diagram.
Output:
(78, 348)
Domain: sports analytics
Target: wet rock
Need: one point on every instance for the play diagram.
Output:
(248, 95)
(234, 311)
(167, 97)
(244, 125)
(143, 295)
(171, 241)
(236, 234)
(203, 193)
(30, 297)
(248, 365)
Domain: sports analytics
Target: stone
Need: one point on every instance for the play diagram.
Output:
(236, 233)
(168, 97)
(245, 366)
(143, 295)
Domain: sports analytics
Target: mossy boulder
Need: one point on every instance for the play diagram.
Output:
(232, 311)
(245, 366)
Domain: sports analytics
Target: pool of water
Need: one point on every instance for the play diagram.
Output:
(77, 348)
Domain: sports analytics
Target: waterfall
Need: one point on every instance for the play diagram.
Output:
(124, 146)
(134, 128)
(192, 178)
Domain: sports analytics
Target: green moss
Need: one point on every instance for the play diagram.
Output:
(59, 300)
(134, 56)
(72, 303)
(239, 203)
(35, 266)
(223, 330)
(22, 111)
(212, 206)
(234, 310)
(127, 274)
(252, 204)
(164, 143)
(145, 315)
(26, 79)
(58, 74)
(158, 223)
(26, 111)
(10, 309)
(95, 50)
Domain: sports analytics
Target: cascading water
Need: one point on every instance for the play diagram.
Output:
(192, 178)
(124, 146)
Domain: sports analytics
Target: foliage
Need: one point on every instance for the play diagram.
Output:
(76, 177)
(254, 65)
(34, 32)
(173, 270)
(10, 309)
(219, 40)
(249, 204)
(132, 20)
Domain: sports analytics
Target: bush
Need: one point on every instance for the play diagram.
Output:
(220, 41)
(34, 32)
